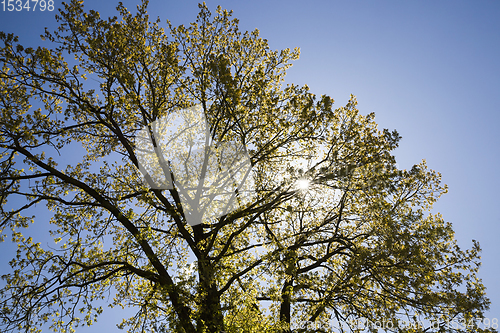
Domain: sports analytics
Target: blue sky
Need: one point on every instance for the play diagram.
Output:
(429, 69)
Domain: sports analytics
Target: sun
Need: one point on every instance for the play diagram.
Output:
(303, 184)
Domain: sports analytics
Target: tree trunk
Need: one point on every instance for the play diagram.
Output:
(210, 315)
(285, 309)
(210, 318)
(287, 290)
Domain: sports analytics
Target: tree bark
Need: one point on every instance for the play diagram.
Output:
(286, 291)
(285, 309)
(210, 318)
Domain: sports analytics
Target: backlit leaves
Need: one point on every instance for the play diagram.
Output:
(357, 242)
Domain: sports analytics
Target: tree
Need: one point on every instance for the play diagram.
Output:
(333, 232)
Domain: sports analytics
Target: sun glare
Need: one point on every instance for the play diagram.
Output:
(303, 184)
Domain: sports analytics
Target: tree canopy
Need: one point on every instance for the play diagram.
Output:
(331, 233)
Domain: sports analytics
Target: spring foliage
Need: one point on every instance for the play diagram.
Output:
(355, 239)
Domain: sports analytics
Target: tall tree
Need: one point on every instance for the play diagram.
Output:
(331, 232)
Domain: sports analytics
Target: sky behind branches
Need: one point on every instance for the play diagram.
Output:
(429, 69)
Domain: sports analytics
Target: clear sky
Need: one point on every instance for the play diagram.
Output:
(429, 69)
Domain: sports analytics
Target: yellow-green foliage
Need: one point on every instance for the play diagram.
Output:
(358, 242)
